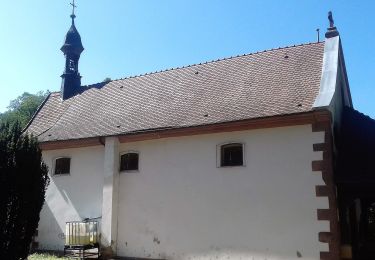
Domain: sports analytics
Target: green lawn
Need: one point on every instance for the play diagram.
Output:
(46, 257)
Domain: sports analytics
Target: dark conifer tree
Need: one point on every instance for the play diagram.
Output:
(24, 180)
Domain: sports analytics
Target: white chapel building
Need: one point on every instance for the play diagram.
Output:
(228, 159)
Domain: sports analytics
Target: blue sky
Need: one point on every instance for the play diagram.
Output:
(130, 37)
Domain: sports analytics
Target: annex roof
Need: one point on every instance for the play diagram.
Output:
(263, 84)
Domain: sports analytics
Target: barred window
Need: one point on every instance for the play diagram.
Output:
(231, 155)
(129, 161)
(62, 166)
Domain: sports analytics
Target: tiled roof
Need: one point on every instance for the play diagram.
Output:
(274, 82)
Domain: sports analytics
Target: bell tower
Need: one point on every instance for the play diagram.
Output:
(72, 49)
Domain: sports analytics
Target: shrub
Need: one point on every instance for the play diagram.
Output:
(24, 180)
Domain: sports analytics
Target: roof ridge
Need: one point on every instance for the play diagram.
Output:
(207, 62)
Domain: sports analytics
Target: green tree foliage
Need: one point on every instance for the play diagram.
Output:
(24, 180)
(23, 108)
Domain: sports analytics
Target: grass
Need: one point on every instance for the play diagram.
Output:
(46, 257)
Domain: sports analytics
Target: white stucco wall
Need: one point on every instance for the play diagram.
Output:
(180, 205)
(71, 197)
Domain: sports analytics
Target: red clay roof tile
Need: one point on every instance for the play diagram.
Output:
(276, 82)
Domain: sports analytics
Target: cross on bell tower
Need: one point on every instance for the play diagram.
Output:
(74, 7)
(72, 49)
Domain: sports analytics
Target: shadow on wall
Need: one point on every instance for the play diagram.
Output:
(72, 197)
(57, 210)
(50, 235)
(78, 195)
(68, 199)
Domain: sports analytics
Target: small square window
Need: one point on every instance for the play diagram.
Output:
(62, 166)
(129, 162)
(231, 155)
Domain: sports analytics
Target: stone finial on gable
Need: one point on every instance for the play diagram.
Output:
(332, 30)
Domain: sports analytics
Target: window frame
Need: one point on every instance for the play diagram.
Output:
(54, 166)
(219, 155)
(128, 152)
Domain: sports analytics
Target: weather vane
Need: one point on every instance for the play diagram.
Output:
(74, 7)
